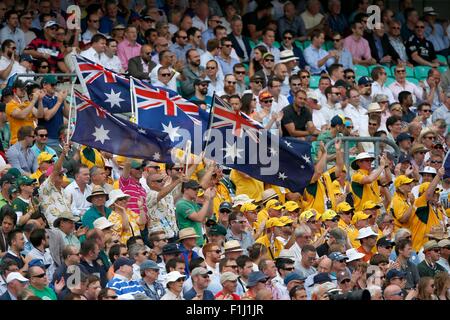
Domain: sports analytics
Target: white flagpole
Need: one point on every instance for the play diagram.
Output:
(187, 154)
(133, 101)
(69, 126)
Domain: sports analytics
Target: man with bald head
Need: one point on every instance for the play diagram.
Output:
(160, 203)
(324, 266)
(393, 292)
(141, 66)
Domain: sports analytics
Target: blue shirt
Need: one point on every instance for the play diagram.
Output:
(122, 285)
(227, 67)
(55, 123)
(207, 295)
(47, 149)
(106, 24)
(246, 241)
(17, 36)
(313, 55)
(24, 160)
(187, 256)
(346, 59)
(154, 292)
(180, 51)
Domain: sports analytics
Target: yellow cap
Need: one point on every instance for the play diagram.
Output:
(274, 204)
(358, 216)
(44, 156)
(328, 215)
(291, 206)
(285, 220)
(306, 215)
(274, 222)
(401, 180)
(248, 207)
(344, 207)
(370, 205)
(424, 186)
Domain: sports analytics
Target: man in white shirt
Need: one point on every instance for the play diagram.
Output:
(109, 58)
(379, 76)
(401, 84)
(97, 49)
(303, 236)
(79, 190)
(8, 63)
(200, 20)
(279, 100)
(166, 59)
(356, 112)
(163, 81)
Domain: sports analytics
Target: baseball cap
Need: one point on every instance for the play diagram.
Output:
(255, 277)
(248, 207)
(226, 206)
(6, 178)
(342, 83)
(404, 158)
(337, 256)
(25, 180)
(401, 180)
(38, 263)
(14, 172)
(393, 273)
(285, 220)
(15, 276)
(135, 164)
(170, 248)
(44, 156)
(267, 54)
(174, 276)
(364, 80)
(263, 95)
(359, 215)
(293, 276)
(344, 207)
(122, 261)
(50, 24)
(228, 276)
(256, 77)
(429, 245)
(370, 205)
(149, 264)
(49, 79)
(26, 57)
(200, 271)
(217, 230)
(328, 215)
(199, 81)
(291, 206)
(274, 204)
(403, 136)
(337, 120)
(191, 184)
(306, 215)
(384, 242)
(321, 278)
(343, 275)
(274, 222)
(424, 186)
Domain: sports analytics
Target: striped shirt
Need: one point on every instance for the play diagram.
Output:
(122, 285)
(135, 190)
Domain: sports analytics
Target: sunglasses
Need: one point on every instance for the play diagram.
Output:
(233, 266)
(205, 276)
(426, 110)
(437, 250)
(350, 77)
(39, 275)
(240, 72)
(165, 74)
(373, 124)
(111, 297)
(43, 135)
(180, 280)
(231, 82)
(210, 68)
(420, 27)
(289, 269)
(401, 71)
(336, 93)
(346, 281)
(258, 82)
(216, 251)
(184, 38)
(435, 161)
(287, 38)
(306, 77)
(267, 101)
(13, 48)
(43, 67)
(388, 247)
(337, 40)
(269, 60)
(158, 181)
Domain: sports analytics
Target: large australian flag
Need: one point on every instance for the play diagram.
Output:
(97, 128)
(241, 143)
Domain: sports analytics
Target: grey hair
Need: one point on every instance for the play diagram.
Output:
(302, 230)
(319, 289)
(94, 170)
(400, 234)
(135, 249)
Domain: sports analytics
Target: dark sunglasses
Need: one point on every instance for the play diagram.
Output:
(267, 101)
(420, 27)
(289, 269)
(350, 77)
(43, 67)
(233, 266)
(39, 275)
(43, 135)
(205, 276)
(165, 74)
(159, 180)
(111, 297)
(240, 72)
(287, 38)
(184, 38)
(401, 71)
(216, 251)
(336, 40)
(435, 161)
(258, 82)
(269, 60)
(426, 110)
(231, 82)
(210, 68)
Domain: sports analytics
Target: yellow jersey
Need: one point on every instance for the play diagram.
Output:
(364, 192)
(398, 207)
(222, 194)
(16, 124)
(274, 248)
(247, 185)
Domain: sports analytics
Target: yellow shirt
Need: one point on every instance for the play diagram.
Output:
(398, 207)
(14, 123)
(116, 218)
(352, 235)
(364, 192)
(346, 227)
(222, 194)
(274, 249)
(247, 185)
(91, 157)
(263, 215)
(423, 219)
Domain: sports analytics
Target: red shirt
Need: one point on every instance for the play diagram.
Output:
(233, 295)
(52, 48)
(134, 189)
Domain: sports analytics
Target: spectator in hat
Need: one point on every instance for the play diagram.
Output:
(228, 280)
(368, 239)
(429, 266)
(169, 252)
(16, 284)
(200, 96)
(200, 281)
(384, 247)
(149, 273)
(402, 201)
(122, 283)
(98, 198)
(256, 282)
(188, 239)
(45, 48)
(174, 284)
(217, 234)
(396, 277)
(45, 160)
(445, 254)
(5, 182)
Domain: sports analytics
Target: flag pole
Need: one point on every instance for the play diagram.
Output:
(69, 126)
(187, 153)
(209, 126)
(133, 101)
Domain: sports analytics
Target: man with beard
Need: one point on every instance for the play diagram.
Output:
(229, 86)
(191, 72)
(365, 91)
(141, 66)
(200, 97)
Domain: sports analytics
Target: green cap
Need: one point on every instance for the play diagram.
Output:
(217, 230)
(136, 164)
(49, 80)
(25, 180)
(12, 189)
(14, 172)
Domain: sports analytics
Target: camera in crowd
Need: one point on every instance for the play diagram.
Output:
(336, 294)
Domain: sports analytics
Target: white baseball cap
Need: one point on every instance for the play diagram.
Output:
(353, 254)
(50, 24)
(102, 223)
(15, 276)
(365, 233)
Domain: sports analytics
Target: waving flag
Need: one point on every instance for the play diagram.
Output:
(99, 129)
(241, 143)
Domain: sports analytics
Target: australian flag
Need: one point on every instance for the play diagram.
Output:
(241, 143)
(162, 110)
(97, 128)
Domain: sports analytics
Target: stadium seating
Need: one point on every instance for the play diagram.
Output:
(360, 70)
(314, 82)
(421, 72)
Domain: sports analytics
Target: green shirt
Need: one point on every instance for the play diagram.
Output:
(183, 210)
(3, 201)
(20, 206)
(45, 294)
(93, 214)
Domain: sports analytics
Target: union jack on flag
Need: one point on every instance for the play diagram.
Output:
(91, 71)
(148, 97)
(82, 103)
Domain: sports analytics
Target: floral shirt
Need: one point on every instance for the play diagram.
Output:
(162, 214)
(134, 230)
(53, 201)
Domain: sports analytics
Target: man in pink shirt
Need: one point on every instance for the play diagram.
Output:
(129, 184)
(401, 84)
(128, 48)
(358, 46)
